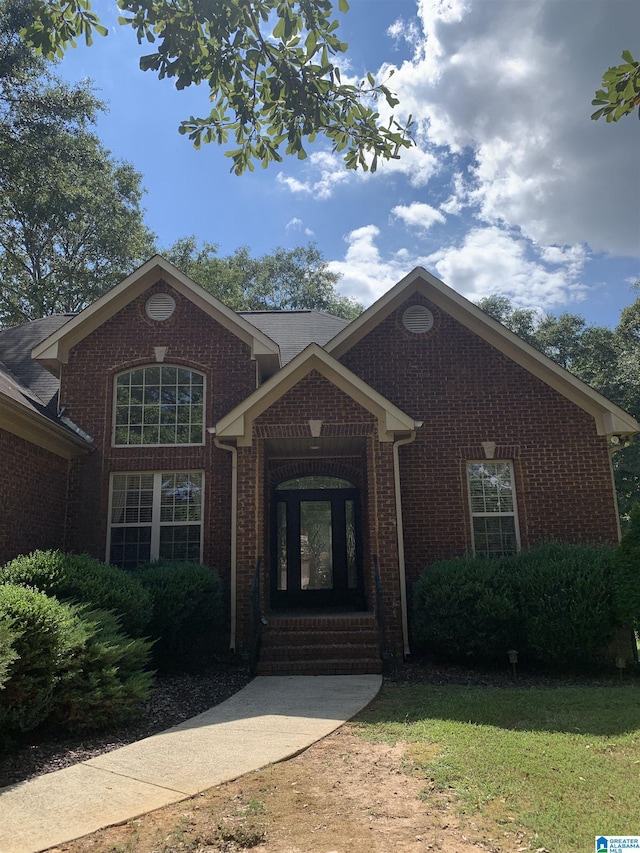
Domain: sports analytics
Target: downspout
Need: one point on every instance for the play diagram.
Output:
(400, 527)
(234, 534)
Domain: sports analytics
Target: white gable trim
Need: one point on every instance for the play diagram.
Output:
(609, 418)
(54, 350)
(238, 423)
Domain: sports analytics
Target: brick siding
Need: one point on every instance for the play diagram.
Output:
(466, 392)
(127, 340)
(33, 487)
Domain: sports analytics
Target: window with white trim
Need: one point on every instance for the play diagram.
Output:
(159, 405)
(154, 515)
(492, 503)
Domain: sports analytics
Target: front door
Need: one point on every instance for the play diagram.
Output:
(316, 544)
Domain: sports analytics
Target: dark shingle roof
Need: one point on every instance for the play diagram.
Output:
(295, 330)
(16, 344)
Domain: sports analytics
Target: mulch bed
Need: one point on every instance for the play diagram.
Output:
(179, 697)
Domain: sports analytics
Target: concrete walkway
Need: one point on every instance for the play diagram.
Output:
(271, 719)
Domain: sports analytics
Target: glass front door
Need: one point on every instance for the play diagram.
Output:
(315, 555)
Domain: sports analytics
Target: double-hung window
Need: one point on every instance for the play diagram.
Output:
(155, 515)
(492, 503)
(159, 405)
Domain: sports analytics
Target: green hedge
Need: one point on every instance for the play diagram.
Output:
(555, 604)
(109, 679)
(626, 561)
(48, 635)
(187, 613)
(71, 667)
(80, 578)
(8, 636)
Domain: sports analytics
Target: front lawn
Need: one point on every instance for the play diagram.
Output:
(562, 763)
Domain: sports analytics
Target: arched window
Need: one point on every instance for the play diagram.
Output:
(159, 405)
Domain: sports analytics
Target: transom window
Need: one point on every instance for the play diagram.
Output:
(494, 523)
(155, 516)
(158, 405)
(315, 482)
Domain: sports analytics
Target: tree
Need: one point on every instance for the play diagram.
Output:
(620, 94)
(286, 279)
(71, 225)
(269, 65)
(521, 321)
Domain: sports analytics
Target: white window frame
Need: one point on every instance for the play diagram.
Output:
(156, 523)
(494, 514)
(146, 367)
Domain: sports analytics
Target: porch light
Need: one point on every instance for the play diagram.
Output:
(513, 660)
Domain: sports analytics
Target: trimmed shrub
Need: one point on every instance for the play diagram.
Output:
(626, 567)
(554, 604)
(8, 637)
(72, 667)
(566, 603)
(108, 680)
(465, 609)
(49, 634)
(80, 578)
(187, 613)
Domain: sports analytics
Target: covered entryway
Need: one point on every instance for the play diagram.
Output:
(317, 566)
(316, 554)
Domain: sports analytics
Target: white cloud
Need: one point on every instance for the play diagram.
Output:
(418, 215)
(326, 171)
(365, 275)
(488, 261)
(296, 224)
(511, 84)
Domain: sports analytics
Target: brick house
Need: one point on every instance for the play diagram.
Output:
(318, 465)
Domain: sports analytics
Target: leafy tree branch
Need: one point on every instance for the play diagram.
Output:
(620, 94)
(271, 67)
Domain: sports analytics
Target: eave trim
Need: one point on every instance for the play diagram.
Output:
(609, 418)
(237, 424)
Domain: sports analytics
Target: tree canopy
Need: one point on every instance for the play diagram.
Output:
(284, 279)
(71, 225)
(607, 359)
(272, 67)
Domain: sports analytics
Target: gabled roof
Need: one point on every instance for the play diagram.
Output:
(16, 344)
(237, 424)
(295, 330)
(610, 419)
(24, 414)
(54, 351)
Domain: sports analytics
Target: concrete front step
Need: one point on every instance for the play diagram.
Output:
(316, 651)
(320, 644)
(320, 667)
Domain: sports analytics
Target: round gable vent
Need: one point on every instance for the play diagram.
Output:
(417, 319)
(160, 306)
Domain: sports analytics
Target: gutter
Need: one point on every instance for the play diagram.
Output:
(400, 528)
(234, 535)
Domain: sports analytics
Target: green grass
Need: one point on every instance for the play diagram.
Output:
(563, 762)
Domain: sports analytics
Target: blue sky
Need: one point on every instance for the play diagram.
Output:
(510, 189)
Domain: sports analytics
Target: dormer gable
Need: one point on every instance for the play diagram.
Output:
(54, 350)
(237, 424)
(609, 419)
